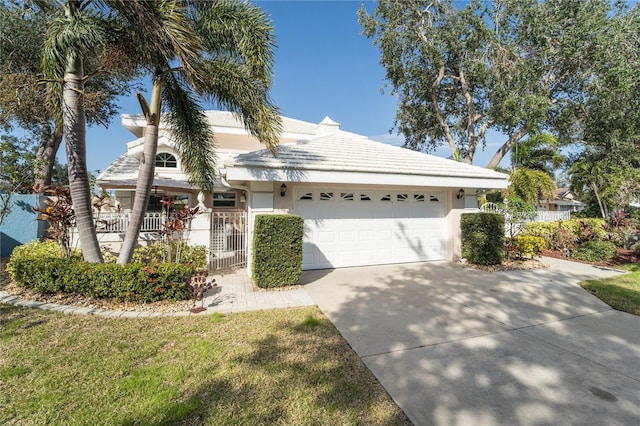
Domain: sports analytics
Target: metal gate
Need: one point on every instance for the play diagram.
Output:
(228, 244)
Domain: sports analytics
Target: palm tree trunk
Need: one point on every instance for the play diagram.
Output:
(75, 138)
(600, 204)
(145, 174)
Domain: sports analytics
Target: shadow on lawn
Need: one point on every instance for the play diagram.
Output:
(325, 384)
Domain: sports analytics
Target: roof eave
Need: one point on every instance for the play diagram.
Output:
(239, 173)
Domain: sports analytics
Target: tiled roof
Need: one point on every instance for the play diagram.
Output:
(348, 152)
(228, 119)
(124, 165)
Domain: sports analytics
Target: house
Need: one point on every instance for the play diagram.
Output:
(564, 200)
(363, 202)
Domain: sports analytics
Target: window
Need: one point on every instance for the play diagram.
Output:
(346, 196)
(306, 196)
(365, 197)
(224, 199)
(433, 198)
(386, 197)
(164, 159)
(402, 197)
(326, 196)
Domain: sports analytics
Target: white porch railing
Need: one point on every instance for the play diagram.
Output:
(118, 222)
(549, 216)
(541, 216)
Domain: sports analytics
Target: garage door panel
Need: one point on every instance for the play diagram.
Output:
(386, 228)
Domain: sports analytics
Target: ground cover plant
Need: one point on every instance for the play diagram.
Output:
(621, 292)
(287, 366)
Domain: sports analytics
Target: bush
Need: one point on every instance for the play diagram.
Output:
(142, 283)
(42, 267)
(595, 251)
(636, 248)
(194, 256)
(277, 250)
(566, 233)
(483, 238)
(524, 246)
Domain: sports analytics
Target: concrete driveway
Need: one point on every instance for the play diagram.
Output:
(459, 346)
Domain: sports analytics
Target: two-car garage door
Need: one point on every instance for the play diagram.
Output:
(360, 227)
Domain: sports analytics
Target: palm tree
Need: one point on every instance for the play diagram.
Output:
(196, 51)
(72, 35)
(537, 152)
(531, 185)
(588, 174)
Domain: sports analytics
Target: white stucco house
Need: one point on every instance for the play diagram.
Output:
(363, 202)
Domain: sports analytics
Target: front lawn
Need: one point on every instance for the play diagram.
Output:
(287, 366)
(621, 292)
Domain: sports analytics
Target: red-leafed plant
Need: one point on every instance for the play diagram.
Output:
(59, 214)
(175, 230)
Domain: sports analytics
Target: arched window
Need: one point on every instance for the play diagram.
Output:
(164, 159)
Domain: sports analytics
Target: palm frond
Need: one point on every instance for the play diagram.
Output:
(230, 85)
(190, 130)
(238, 30)
(161, 32)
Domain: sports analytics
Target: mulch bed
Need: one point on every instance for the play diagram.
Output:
(623, 257)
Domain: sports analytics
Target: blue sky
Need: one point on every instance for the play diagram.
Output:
(324, 67)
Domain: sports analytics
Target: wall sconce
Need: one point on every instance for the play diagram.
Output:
(460, 193)
(243, 197)
(283, 190)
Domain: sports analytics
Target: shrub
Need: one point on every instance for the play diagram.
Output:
(277, 250)
(566, 233)
(636, 248)
(194, 256)
(142, 283)
(483, 238)
(595, 251)
(524, 246)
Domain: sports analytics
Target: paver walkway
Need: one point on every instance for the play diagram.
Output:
(234, 293)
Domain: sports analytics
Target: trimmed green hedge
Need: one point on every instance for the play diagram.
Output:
(277, 250)
(483, 238)
(41, 267)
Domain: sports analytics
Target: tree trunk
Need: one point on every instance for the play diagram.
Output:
(75, 134)
(46, 156)
(600, 204)
(145, 174)
(502, 151)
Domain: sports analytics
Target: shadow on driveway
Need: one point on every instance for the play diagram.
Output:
(455, 345)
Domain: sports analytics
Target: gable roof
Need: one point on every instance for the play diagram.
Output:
(357, 159)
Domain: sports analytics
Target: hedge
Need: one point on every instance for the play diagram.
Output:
(277, 250)
(483, 238)
(41, 267)
(566, 233)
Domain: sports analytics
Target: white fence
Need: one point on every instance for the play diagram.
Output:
(118, 222)
(541, 216)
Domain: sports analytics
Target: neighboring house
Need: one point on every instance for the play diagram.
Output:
(363, 202)
(563, 201)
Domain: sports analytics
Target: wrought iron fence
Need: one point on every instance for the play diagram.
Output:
(228, 246)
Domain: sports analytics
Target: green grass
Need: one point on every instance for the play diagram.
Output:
(621, 292)
(286, 366)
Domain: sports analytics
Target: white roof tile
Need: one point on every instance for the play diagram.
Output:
(348, 152)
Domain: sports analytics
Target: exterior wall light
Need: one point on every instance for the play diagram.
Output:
(460, 193)
(283, 190)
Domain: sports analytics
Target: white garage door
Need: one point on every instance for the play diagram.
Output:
(357, 228)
